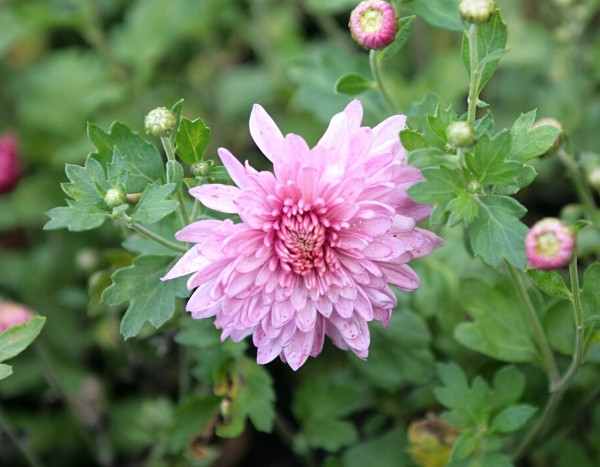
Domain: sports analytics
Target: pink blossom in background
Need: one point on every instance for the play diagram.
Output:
(373, 24)
(318, 243)
(10, 167)
(12, 314)
(549, 244)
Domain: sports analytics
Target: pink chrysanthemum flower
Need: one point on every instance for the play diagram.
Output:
(549, 244)
(373, 24)
(12, 314)
(10, 167)
(319, 242)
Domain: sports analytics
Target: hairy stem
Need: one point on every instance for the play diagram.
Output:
(474, 75)
(181, 208)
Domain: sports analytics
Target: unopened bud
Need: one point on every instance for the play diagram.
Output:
(10, 167)
(201, 168)
(13, 314)
(476, 11)
(114, 197)
(431, 441)
(549, 244)
(556, 124)
(594, 178)
(373, 24)
(160, 122)
(461, 134)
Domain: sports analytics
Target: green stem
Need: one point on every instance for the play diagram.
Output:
(375, 62)
(182, 210)
(577, 178)
(475, 74)
(27, 453)
(540, 336)
(157, 238)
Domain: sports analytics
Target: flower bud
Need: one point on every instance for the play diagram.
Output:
(373, 24)
(594, 178)
(12, 314)
(114, 197)
(461, 134)
(10, 167)
(476, 11)
(160, 122)
(431, 440)
(549, 244)
(556, 124)
(201, 168)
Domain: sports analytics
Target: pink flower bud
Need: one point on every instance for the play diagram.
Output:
(10, 167)
(12, 314)
(373, 24)
(549, 244)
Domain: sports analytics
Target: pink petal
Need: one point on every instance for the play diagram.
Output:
(306, 317)
(268, 351)
(217, 197)
(235, 169)
(281, 313)
(197, 231)
(299, 348)
(187, 264)
(266, 134)
(402, 276)
(354, 113)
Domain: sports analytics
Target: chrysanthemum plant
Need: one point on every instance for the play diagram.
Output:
(319, 248)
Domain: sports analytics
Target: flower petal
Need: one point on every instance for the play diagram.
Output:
(235, 169)
(218, 197)
(266, 134)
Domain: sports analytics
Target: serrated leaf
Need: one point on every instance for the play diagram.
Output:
(526, 176)
(550, 282)
(429, 157)
(192, 138)
(405, 28)
(528, 143)
(508, 387)
(190, 419)
(76, 217)
(150, 299)
(117, 170)
(488, 161)
(467, 406)
(497, 234)
(412, 140)
(330, 434)
(491, 45)
(463, 208)
(464, 446)
(512, 418)
(439, 123)
(17, 338)
(353, 84)
(257, 394)
(440, 13)
(499, 326)
(84, 182)
(484, 125)
(152, 205)
(144, 162)
(440, 186)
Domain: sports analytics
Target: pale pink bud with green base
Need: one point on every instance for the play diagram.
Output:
(13, 314)
(476, 11)
(549, 244)
(373, 24)
(10, 166)
(160, 122)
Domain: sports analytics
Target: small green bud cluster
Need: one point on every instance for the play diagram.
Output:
(114, 197)
(477, 11)
(461, 134)
(201, 168)
(160, 122)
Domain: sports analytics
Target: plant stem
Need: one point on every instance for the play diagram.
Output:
(375, 62)
(27, 453)
(157, 238)
(474, 75)
(544, 346)
(577, 178)
(182, 210)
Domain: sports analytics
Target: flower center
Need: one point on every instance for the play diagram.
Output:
(302, 240)
(371, 20)
(548, 244)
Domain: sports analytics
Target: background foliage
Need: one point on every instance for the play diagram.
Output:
(84, 394)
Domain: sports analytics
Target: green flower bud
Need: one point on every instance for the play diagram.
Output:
(114, 197)
(461, 134)
(476, 11)
(201, 168)
(555, 123)
(160, 122)
(594, 178)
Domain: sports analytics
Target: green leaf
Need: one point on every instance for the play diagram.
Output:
(528, 143)
(192, 138)
(488, 161)
(590, 294)
(491, 45)
(512, 418)
(144, 162)
(429, 157)
(76, 217)
(17, 338)
(550, 283)
(497, 233)
(439, 188)
(150, 299)
(467, 405)
(463, 208)
(412, 140)
(257, 394)
(499, 326)
(464, 446)
(191, 418)
(508, 387)
(559, 326)
(440, 13)
(389, 450)
(353, 84)
(84, 182)
(330, 434)
(405, 28)
(5, 371)
(117, 170)
(525, 177)
(439, 123)
(152, 205)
